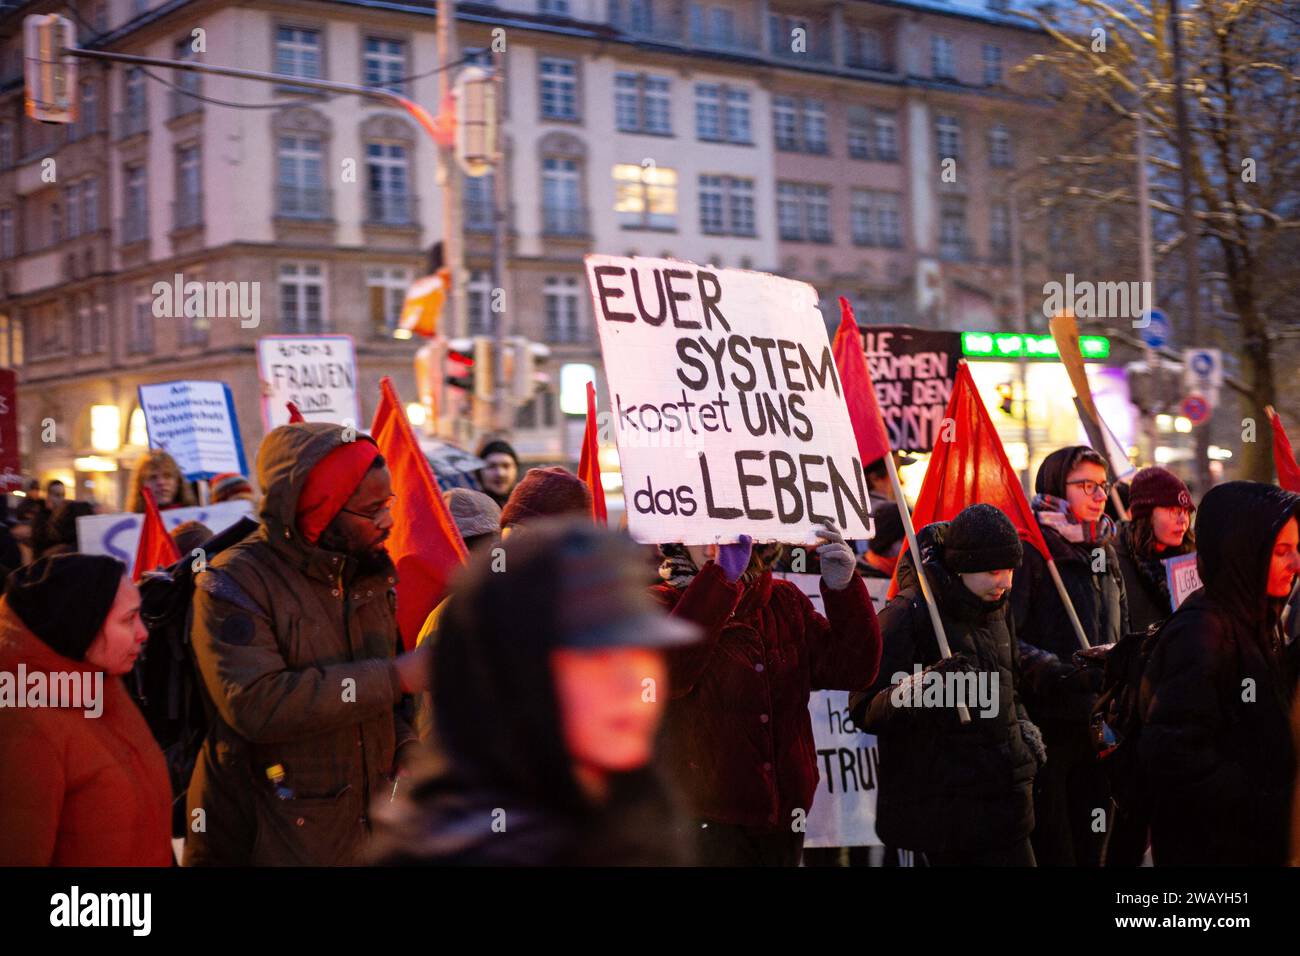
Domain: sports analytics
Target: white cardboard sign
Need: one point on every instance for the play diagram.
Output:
(726, 403)
(195, 423)
(118, 535)
(318, 373)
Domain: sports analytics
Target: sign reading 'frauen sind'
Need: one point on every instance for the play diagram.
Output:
(726, 403)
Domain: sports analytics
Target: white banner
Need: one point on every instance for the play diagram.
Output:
(318, 373)
(844, 810)
(726, 403)
(118, 535)
(195, 423)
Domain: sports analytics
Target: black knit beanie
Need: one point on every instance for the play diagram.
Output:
(498, 447)
(981, 538)
(63, 599)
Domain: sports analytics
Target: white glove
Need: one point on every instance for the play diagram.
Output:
(837, 558)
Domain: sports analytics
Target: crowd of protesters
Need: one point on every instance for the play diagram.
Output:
(574, 699)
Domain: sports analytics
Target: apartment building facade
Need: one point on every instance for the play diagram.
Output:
(809, 139)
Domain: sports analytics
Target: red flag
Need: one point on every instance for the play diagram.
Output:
(859, 393)
(1288, 472)
(156, 548)
(294, 414)
(424, 542)
(971, 467)
(589, 462)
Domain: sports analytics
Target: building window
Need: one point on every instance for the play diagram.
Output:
(992, 65)
(386, 290)
(90, 205)
(11, 342)
(88, 114)
(645, 197)
(554, 7)
(859, 133)
(800, 124)
(188, 202)
(6, 144)
(738, 128)
(302, 297)
(943, 60)
(301, 184)
(388, 197)
(82, 333)
(866, 49)
(708, 111)
(298, 52)
(947, 137)
(561, 301)
(722, 114)
(1000, 155)
(72, 203)
(559, 93)
(803, 212)
(782, 35)
(999, 232)
(7, 247)
(186, 81)
(562, 210)
(712, 26)
(953, 243)
(726, 205)
(641, 104)
(876, 219)
(135, 223)
(385, 63)
(57, 234)
(134, 99)
(480, 203)
(478, 299)
(140, 335)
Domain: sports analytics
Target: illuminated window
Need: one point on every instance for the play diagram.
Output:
(645, 197)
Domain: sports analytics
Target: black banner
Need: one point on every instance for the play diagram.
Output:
(913, 371)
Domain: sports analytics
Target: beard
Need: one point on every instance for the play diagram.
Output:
(367, 559)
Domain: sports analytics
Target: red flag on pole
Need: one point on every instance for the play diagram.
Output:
(859, 392)
(589, 462)
(294, 414)
(424, 543)
(1288, 472)
(156, 548)
(969, 466)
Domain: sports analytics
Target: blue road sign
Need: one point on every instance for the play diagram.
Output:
(1154, 326)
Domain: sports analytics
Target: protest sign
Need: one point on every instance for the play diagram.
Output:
(11, 469)
(117, 535)
(844, 810)
(318, 373)
(195, 423)
(1182, 577)
(726, 404)
(913, 371)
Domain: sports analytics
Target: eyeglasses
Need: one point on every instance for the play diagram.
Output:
(1090, 488)
(373, 518)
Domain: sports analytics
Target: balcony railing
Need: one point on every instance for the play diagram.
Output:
(303, 202)
(815, 46)
(564, 221)
(390, 209)
(134, 226)
(877, 64)
(187, 212)
(131, 122)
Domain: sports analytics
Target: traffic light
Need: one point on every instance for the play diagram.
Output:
(1005, 399)
(460, 369)
(50, 76)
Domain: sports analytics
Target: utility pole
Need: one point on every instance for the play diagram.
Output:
(500, 200)
(1022, 326)
(449, 178)
(1191, 245)
(1146, 274)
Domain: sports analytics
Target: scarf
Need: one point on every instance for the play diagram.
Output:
(1055, 513)
(677, 568)
(1151, 567)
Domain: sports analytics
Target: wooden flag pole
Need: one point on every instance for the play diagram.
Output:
(963, 713)
(1069, 605)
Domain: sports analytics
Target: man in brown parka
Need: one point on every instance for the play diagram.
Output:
(295, 634)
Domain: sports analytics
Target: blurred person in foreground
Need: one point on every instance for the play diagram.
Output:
(559, 771)
(82, 782)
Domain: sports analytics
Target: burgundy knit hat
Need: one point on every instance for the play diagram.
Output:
(1157, 487)
(544, 493)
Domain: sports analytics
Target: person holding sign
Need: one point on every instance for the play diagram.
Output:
(159, 472)
(959, 793)
(1072, 794)
(738, 736)
(1160, 528)
(1216, 742)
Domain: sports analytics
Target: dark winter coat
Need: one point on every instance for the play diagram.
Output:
(738, 734)
(77, 790)
(1144, 582)
(296, 652)
(1220, 770)
(946, 787)
(1042, 624)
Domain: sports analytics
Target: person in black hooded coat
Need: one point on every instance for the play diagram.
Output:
(960, 793)
(508, 788)
(1216, 742)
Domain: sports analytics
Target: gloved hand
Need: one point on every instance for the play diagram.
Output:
(837, 558)
(734, 558)
(1094, 656)
(953, 664)
(1085, 680)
